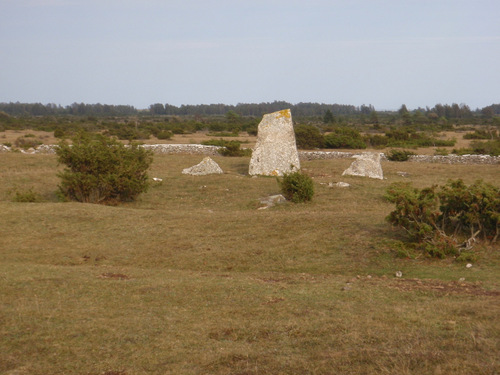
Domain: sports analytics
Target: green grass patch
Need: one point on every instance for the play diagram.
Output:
(193, 279)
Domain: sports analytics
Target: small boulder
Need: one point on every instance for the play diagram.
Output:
(339, 184)
(366, 165)
(205, 167)
(271, 201)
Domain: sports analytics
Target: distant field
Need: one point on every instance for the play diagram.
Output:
(194, 279)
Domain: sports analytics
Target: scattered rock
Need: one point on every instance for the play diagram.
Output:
(205, 167)
(399, 274)
(275, 152)
(339, 184)
(271, 201)
(156, 179)
(403, 174)
(366, 165)
(469, 265)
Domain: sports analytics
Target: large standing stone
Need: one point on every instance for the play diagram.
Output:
(366, 165)
(275, 152)
(206, 166)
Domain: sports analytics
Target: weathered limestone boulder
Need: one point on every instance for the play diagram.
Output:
(206, 166)
(366, 165)
(275, 152)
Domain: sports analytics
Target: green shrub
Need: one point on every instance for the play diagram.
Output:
(59, 133)
(470, 210)
(164, 134)
(297, 187)
(224, 134)
(441, 152)
(412, 138)
(216, 142)
(344, 137)
(308, 137)
(129, 132)
(377, 140)
(481, 148)
(28, 196)
(102, 170)
(28, 141)
(486, 148)
(446, 221)
(232, 148)
(399, 155)
(253, 130)
(482, 134)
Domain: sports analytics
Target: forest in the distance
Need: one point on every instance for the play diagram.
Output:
(453, 111)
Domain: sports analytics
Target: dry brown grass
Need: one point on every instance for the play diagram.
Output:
(193, 279)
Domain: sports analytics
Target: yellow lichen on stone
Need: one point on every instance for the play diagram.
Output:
(284, 113)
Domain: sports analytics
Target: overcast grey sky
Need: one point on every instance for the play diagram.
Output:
(140, 52)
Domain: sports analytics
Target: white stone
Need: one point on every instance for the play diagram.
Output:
(272, 200)
(339, 184)
(366, 164)
(275, 152)
(206, 166)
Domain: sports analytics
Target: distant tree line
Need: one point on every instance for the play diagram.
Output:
(453, 111)
(258, 109)
(77, 109)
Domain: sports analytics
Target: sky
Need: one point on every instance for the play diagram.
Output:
(138, 52)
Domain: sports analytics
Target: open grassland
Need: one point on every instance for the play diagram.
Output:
(194, 279)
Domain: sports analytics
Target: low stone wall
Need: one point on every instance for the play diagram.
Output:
(456, 159)
(323, 155)
(183, 149)
(157, 149)
(303, 155)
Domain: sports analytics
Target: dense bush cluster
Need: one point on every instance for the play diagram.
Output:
(482, 134)
(230, 148)
(399, 155)
(407, 137)
(28, 141)
(297, 187)
(491, 147)
(102, 170)
(447, 220)
(308, 137)
(344, 137)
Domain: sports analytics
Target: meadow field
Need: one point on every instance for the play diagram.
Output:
(193, 278)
